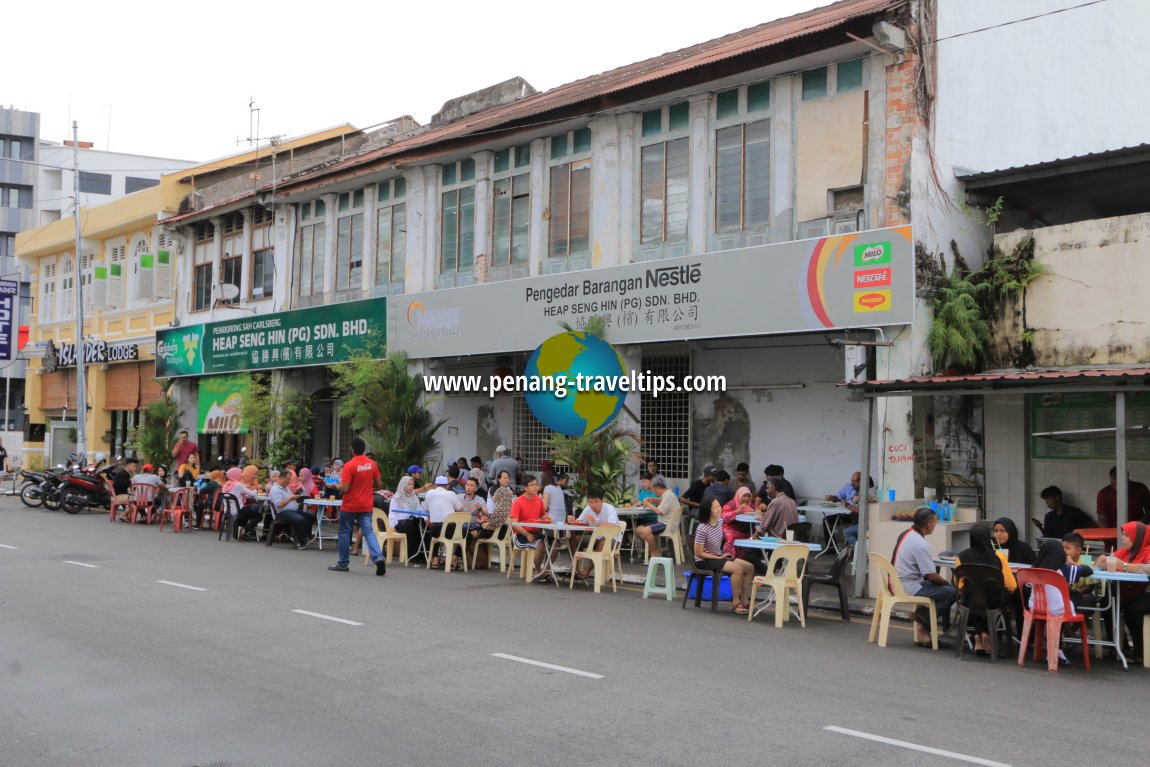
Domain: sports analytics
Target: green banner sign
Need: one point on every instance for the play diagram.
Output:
(320, 335)
(221, 399)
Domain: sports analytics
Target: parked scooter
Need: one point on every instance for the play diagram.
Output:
(35, 484)
(90, 487)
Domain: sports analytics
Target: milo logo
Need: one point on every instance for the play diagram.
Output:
(872, 254)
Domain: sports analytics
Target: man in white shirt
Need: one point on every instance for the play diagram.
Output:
(666, 505)
(597, 512)
(439, 503)
(914, 562)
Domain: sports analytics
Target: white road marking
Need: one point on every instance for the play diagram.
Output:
(327, 617)
(541, 664)
(915, 747)
(181, 585)
(6, 546)
(81, 564)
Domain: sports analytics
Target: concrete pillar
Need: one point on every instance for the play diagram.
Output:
(784, 143)
(369, 238)
(537, 233)
(430, 226)
(414, 280)
(700, 219)
(329, 201)
(482, 242)
(605, 202)
(627, 185)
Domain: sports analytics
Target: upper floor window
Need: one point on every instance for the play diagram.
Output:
(312, 247)
(391, 234)
(511, 206)
(114, 288)
(569, 197)
(15, 197)
(263, 254)
(457, 216)
(136, 184)
(848, 76)
(47, 311)
(67, 283)
(664, 175)
(95, 183)
(349, 241)
(742, 158)
(14, 148)
(7, 246)
(87, 261)
(142, 275)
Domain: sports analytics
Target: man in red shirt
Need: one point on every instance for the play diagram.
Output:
(359, 479)
(529, 508)
(1137, 501)
(183, 448)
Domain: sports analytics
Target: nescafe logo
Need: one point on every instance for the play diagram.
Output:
(871, 300)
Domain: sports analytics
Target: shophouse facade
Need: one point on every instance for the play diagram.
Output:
(775, 139)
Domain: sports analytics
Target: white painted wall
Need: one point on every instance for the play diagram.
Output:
(815, 433)
(1057, 86)
(55, 174)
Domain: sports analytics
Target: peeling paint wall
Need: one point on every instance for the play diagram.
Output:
(830, 149)
(1090, 309)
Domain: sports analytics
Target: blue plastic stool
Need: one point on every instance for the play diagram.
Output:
(668, 587)
(700, 580)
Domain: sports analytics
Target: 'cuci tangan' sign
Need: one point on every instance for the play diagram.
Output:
(97, 352)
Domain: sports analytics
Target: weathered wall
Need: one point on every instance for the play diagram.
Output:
(830, 149)
(1090, 309)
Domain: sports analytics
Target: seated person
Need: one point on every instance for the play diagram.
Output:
(709, 555)
(914, 562)
(273, 480)
(1133, 557)
(1051, 556)
(1061, 518)
(189, 472)
(528, 508)
(720, 489)
(1006, 534)
(122, 486)
(288, 509)
(403, 501)
(597, 512)
(982, 552)
(1081, 586)
(249, 515)
(148, 476)
(646, 493)
(440, 502)
(781, 512)
(848, 496)
(206, 494)
(667, 511)
(476, 506)
(743, 503)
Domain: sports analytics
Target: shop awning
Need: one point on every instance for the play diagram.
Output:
(1008, 382)
(122, 387)
(57, 389)
(150, 390)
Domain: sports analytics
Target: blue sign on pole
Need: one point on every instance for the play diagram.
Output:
(9, 291)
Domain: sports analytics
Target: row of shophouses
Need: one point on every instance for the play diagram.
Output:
(722, 207)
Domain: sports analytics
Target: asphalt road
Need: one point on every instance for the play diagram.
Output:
(107, 665)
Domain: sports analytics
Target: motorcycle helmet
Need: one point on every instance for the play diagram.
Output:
(101, 457)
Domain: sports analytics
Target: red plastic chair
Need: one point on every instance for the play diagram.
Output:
(116, 506)
(1038, 579)
(178, 507)
(140, 499)
(215, 508)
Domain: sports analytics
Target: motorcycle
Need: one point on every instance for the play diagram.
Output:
(30, 491)
(90, 487)
(48, 491)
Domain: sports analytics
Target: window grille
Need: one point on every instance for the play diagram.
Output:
(666, 427)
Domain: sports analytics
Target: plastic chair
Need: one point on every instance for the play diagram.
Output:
(891, 593)
(177, 507)
(526, 561)
(802, 531)
(215, 510)
(277, 524)
(617, 553)
(979, 587)
(1038, 579)
(604, 558)
(500, 540)
(653, 567)
(671, 533)
(831, 578)
(458, 522)
(229, 511)
(390, 542)
(788, 563)
(699, 577)
(141, 497)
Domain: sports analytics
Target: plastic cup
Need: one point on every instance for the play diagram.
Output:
(1111, 564)
(890, 495)
(790, 535)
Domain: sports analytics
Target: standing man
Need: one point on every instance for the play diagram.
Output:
(1137, 501)
(914, 562)
(183, 448)
(359, 479)
(502, 462)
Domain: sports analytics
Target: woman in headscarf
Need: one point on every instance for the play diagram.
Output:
(1133, 557)
(403, 501)
(206, 495)
(307, 484)
(1006, 533)
(249, 515)
(982, 552)
(742, 503)
(293, 481)
(250, 476)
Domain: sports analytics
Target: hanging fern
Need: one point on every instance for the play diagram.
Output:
(959, 332)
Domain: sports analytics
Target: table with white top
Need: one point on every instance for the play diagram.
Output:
(322, 515)
(770, 544)
(1115, 609)
(550, 542)
(817, 513)
(632, 511)
(421, 548)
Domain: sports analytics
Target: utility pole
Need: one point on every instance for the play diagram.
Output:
(81, 387)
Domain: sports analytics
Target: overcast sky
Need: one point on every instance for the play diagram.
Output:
(175, 79)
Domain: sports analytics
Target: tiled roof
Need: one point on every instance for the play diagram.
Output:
(1008, 380)
(615, 80)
